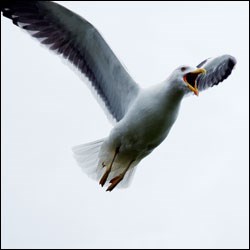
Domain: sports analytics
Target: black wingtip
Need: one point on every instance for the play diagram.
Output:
(232, 62)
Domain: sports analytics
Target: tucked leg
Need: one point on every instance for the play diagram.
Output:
(108, 169)
(116, 180)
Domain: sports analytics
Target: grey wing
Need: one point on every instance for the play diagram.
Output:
(218, 69)
(79, 42)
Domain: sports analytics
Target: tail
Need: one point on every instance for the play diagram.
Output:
(87, 157)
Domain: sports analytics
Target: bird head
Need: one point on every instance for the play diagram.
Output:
(186, 76)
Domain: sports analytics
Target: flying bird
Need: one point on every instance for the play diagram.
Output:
(143, 117)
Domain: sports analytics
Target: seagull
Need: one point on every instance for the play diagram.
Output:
(143, 117)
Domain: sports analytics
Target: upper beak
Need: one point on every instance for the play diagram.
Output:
(194, 74)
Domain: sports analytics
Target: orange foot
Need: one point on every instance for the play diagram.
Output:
(104, 177)
(114, 182)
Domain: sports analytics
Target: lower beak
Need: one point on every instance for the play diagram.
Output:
(195, 73)
(194, 89)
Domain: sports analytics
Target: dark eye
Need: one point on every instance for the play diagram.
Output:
(183, 69)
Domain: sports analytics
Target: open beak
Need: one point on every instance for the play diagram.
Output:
(190, 79)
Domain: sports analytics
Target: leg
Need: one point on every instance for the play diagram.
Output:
(115, 181)
(108, 169)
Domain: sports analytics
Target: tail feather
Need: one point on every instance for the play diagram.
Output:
(87, 157)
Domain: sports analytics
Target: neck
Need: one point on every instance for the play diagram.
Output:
(173, 94)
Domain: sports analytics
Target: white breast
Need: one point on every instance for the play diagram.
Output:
(147, 123)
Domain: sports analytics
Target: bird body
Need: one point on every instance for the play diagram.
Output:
(143, 117)
(147, 122)
(145, 125)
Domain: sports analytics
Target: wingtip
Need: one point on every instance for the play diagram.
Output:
(231, 60)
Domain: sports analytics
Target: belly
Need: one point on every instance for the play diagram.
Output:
(143, 131)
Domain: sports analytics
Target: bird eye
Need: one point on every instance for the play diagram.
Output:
(183, 69)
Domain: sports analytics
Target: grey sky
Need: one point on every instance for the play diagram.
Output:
(191, 192)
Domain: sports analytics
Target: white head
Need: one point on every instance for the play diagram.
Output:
(184, 78)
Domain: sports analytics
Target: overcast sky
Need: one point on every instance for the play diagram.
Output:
(191, 192)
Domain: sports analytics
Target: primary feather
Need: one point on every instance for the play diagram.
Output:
(218, 69)
(78, 41)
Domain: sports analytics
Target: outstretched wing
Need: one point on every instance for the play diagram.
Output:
(218, 69)
(78, 41)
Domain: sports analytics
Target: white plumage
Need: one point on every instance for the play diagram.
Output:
(144, 116)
